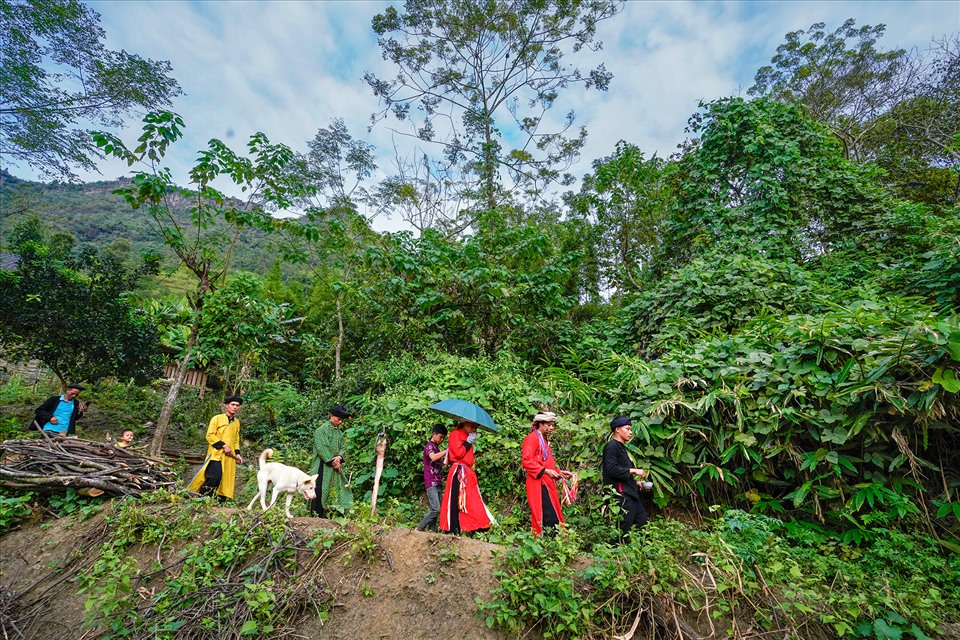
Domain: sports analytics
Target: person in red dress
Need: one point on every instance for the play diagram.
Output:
(462, 509)
(542, 474)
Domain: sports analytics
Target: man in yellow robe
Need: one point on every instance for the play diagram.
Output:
(218, 472)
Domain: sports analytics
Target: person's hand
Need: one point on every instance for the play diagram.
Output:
(336, 463)
(239, 459)
(84, 407)
(565, 474)
(54, 420)
(551, 473)
(472, 437)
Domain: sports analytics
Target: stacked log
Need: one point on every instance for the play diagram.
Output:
(54, 464)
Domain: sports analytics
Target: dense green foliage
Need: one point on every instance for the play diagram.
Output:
(72, 314)
(747, 574)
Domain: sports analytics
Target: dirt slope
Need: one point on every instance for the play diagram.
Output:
(421, 585)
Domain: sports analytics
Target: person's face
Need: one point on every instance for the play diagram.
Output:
(336, 420)
(127, 436)
(624, 433)
(470, 427)
(231, 408)
(71, 394)
(546, 428)
(438, 438)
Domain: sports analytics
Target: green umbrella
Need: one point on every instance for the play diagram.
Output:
(461, 410)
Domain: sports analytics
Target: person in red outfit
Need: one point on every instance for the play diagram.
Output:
(542, 474)
(462, 509)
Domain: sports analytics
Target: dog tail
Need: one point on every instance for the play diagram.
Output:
(263, 456)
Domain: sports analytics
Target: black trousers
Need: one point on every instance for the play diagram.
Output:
(212, 476)
(316, 507)
(550, 518)
(634, 515)
(454, 500)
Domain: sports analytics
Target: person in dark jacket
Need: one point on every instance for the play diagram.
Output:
(619, 471)
(59, 414)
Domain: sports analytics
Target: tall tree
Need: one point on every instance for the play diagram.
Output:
(848, 86)
(898, 109)
(485, 72)
(336, 168)
(625, 200)
(205, 246)
(919, 144)
(56, 74)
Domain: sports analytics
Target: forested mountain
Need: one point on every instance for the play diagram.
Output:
(97, 217)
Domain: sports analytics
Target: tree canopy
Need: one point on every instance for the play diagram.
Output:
(478, 70)
(58, 77)
(895, 108)
(74, 314)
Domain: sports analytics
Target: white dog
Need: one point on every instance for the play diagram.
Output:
(285, 479)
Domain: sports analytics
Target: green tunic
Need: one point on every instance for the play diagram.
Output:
(328, 443)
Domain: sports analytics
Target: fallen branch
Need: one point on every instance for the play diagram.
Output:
(54, 464)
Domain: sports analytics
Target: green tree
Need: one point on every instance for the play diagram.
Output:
(237, 329)
(75, 317)
(762, 175)
(625, 200)
(470, 296)
(205, 246)
(336, 167)
(898, 109)
(484, 72)
(919, 143)
(56, 74)
(27, 229)
(847, 86)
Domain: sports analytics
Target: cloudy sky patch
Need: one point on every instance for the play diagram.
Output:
(288, 68)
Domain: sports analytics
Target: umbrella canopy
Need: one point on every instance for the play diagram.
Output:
(463, 410)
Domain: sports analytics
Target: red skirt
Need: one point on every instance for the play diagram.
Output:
(462, 509)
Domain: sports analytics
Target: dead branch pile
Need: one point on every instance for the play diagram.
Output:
(54, 464)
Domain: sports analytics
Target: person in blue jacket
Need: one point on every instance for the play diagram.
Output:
(59, 414)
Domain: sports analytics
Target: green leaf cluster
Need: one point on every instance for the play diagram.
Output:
(739, 574)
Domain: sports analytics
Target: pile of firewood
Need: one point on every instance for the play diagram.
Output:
(54, 464)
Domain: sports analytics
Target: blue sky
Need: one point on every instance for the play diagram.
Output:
(288, 68)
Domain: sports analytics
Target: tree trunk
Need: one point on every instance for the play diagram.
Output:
(488, 162)
(160, 434)
(336, 355)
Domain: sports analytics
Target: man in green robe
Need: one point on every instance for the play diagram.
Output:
(329, 450)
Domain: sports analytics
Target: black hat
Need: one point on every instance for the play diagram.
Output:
(620, 421)
(230, 399)
(341, 412)
(75, 386)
